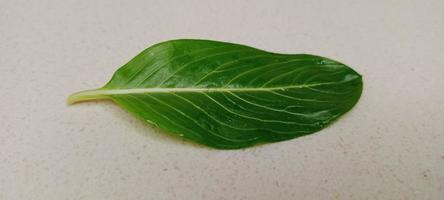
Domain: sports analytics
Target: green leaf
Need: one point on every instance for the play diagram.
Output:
(228, 95)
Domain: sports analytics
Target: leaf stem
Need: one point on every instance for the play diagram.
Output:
(87, 95)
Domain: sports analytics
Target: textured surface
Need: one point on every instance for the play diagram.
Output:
(390, 146)
(230, 96)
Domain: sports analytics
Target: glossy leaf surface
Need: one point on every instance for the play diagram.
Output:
(228, 95)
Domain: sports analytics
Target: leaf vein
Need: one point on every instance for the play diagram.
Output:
(248, 117)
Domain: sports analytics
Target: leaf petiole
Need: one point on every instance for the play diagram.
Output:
(87, 95)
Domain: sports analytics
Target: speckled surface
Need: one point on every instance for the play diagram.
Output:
(390, 146)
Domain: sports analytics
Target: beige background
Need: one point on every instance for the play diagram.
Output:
(390, 146)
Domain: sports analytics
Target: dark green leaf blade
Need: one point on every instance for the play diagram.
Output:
(228, 95)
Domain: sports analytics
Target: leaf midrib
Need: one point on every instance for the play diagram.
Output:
(198, 89)
(104, 93)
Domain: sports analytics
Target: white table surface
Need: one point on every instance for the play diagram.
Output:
(390, 146)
